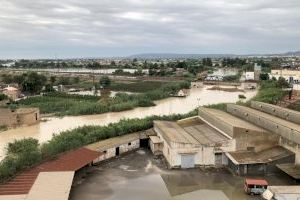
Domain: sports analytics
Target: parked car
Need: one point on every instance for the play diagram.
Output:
(255, 186)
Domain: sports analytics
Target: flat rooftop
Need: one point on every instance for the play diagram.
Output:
(113, 142)
(291, 169)
(202, 132)
(52, 185)
(172, 132)
(231, 120)
(265, 156)
(191, 131)
(293, 189)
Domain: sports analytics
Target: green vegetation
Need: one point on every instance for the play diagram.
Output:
(25, 153)
(3, 128)
(271, 91)
(21, 155)
(219, 106)
(31, 82)
(3, 97)
(104, 81)
(67, 104)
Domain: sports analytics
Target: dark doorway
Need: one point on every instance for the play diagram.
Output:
(144, 143)
(117, 151)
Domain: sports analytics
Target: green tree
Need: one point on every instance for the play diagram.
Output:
(76, 80)
(3, 97)
(52, 79)
(105, 81)
(264, 76)
(33, 82)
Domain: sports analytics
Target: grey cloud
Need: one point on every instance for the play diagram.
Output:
(73, 28)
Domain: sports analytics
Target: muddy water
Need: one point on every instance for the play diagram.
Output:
(138, 175)
(45, 130)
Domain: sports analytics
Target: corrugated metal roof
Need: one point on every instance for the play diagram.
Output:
(51, 185)
(69, 161)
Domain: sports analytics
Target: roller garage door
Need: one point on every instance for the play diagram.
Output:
(187, 161)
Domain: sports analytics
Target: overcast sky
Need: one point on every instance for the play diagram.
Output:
(81, 28)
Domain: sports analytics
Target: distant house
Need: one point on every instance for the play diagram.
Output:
(196, 84)
(182, 93)
(19, 117)
(12, 92)
(249, 76)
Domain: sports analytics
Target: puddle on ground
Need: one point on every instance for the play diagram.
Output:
(144, 177)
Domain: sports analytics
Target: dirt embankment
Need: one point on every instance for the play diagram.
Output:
(226, 89)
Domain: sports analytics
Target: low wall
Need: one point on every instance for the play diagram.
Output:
(19, 117)
(8, 118)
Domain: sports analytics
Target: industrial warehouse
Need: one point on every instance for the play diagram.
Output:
(255, 140)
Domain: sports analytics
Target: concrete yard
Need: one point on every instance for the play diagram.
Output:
(139, 175)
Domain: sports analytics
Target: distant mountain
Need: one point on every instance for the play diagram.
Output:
(178, 56)
(292, 53)
(191, 56)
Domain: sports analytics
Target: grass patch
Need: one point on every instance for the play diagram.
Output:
(271, 91)
(68, 104)
(219, 106)
(3, 128)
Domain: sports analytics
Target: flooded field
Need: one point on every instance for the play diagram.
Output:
(76, 70)
(138, 175)
(45, 130)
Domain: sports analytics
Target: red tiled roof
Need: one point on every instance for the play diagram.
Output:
(69, 161)
(256, 181)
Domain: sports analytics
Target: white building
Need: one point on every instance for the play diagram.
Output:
(191, 143)
(249, 76)
(291, 76)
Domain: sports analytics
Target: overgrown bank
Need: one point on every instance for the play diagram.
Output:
(23, 154)
(66, 104)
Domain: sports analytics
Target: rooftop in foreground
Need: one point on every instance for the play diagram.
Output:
(291, 169)
(230, 119)
(265, 156)
(190, 131)
(69, 161)
(277, 120)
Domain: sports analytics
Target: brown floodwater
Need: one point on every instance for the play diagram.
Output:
(138, 175)
(45, 130)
